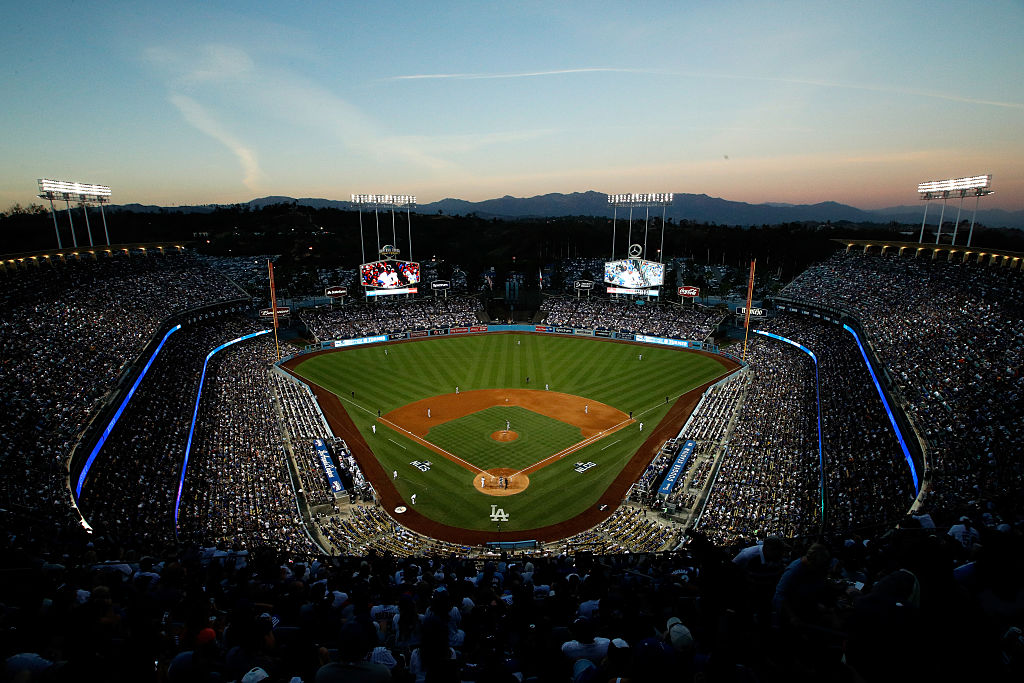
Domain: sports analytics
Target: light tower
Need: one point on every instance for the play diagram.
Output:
(392, 201)
(646, 200)
(83, 194)
(977, 186)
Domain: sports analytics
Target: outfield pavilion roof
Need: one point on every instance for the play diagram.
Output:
(996, 257)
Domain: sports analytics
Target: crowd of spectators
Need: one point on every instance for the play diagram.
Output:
(867, 478)
(392, 315)
(768, 480)
(630, 529)
(240, 593)
(70, 328)
(303, 424)
(249, 273)
(361, 529)
(950, 337)
(656, 319)
(237, 488)
(129, 493)
(910, 602)
(581, 268)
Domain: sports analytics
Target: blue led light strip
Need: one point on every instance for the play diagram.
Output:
(113, 421)
(195, 414)
(888, 411)
(817, 393)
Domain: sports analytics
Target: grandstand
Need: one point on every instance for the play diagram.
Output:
(891, 508)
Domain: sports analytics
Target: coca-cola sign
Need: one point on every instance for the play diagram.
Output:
(689, 291)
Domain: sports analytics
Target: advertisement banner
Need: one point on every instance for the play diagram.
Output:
(418, 333)
(389, 292)
(603, 333)
(458, 330)
(341, 343)
(336, 291)
(542, 328)
(440, 284)
(689, 291)
(754, 312)
(282, 311)
(677, 468)
(330, 471)
(583, 284)
(563, 330)
(584, 332)
(398, 335)
(665, 341)
(628, 290)
(478, 328)
(435, 333)
(628, 336)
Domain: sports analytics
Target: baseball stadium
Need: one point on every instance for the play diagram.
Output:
(387, 452)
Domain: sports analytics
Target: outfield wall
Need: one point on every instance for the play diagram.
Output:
(599, 333)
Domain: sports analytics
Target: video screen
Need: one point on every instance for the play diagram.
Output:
(634, 273)
(390, 274)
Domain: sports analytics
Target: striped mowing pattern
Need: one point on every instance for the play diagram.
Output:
(604, 371)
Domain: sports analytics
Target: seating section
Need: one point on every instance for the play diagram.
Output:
(949, 336)
(395, 315)
(69, 330)
(660, 320)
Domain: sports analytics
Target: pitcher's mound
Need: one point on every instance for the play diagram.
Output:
(504, 435)
(493, 486)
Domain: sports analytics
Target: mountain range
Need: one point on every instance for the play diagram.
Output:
(700, 208)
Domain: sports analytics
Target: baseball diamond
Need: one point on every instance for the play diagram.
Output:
(500, 435)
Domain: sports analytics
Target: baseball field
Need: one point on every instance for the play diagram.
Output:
(506, 436)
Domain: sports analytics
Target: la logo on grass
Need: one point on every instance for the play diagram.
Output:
(498, 514)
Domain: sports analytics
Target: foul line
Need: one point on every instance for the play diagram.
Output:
(397, 444)
(451, 456)
(586, 442)
(593, 438)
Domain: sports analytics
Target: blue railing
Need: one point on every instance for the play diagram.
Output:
(113, 421)
(195, 414)
(817, 393)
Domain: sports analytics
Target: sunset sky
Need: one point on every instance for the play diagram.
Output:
(180, 103)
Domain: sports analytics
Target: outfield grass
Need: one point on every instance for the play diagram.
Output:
(599, 370)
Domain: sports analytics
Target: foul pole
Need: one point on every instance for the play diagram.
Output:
(746, 317)
(273, 306)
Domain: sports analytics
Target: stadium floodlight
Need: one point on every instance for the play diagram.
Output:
(638, 199)
(80, 193)
(977, 186)
(979, 183)
(77, 191)
(390, 201)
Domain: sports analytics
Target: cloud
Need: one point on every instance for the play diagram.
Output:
(523, 74)
(211, 63)
(895, 90)
(198, 116)
(718, 76)
(228, 75)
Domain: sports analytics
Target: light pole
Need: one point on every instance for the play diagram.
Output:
(82, 193)
(977, 186)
